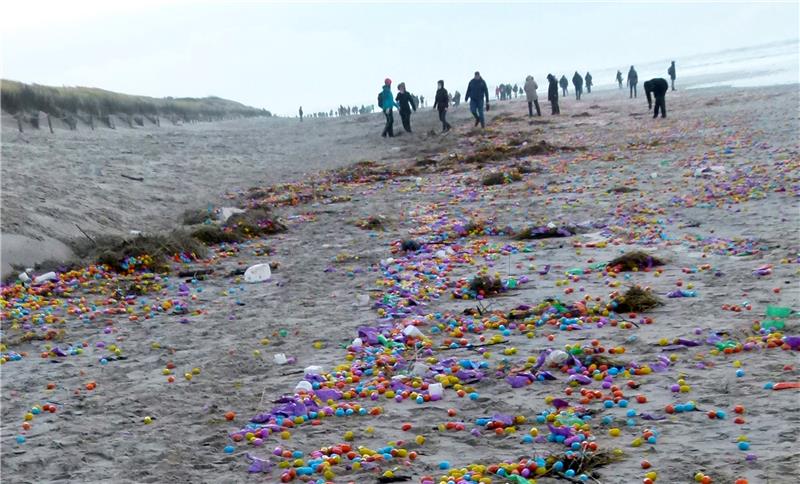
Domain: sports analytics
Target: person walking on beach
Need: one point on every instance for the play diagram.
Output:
(658, 87)
(633, 79)
(619, 79)
(386, 102)
(552, 93)
(671, 72)
(588, 79)
(564, 83)
(456, 99)
(577, 81)
(301, 114)
(476, 93)
(530, 93)
(497, 93)
(515, 89)
(441, 103)
(406, 102)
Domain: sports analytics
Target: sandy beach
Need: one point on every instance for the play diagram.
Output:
(178, 380)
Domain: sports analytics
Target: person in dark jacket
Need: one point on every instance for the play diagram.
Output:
(564, 83)
(619, 79)
(442, 102)
(476, 93)
(633, 80)
(588, 79)
(552, 93)
(671, 72)
(577, 81)
(456, 99)
(658, 87)
(301, 114)
(404, 99)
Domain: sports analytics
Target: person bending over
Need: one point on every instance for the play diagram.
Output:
(658, 87)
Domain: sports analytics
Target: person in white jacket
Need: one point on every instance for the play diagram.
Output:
(533, 98)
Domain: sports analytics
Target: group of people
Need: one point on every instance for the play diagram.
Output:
(477, 95)
(578, 82)
(406, 103)
(506, 91)
(633, 79)
(341, 111)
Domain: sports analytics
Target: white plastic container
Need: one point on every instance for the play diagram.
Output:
(303, 385)
(47, 276)
(556, 357)
(313, 370)
(258, 273)
(436, 390)
(412, 330)
(280, 359)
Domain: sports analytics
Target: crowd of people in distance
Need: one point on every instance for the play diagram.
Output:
(477, 95)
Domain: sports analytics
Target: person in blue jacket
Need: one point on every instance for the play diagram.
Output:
(476, 93)
(386, 102)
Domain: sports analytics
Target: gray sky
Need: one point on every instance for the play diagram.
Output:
(280, 56)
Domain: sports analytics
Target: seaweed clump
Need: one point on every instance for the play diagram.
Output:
(255, 222)
(373, 222)
(637, 300)
(544, 232)
(486, 285)
(501, 178)
(634, 261)
(151, 252)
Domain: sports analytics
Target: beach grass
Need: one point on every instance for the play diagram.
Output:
(65, 102)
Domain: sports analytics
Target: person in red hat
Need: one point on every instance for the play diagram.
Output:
(386, 102)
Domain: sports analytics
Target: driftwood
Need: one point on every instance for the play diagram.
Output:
(196, 272)
(469, 347)
(49, 123)
(134, 178)
(87, 235)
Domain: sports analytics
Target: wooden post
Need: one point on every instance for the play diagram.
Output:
(49, 123)
(19, 122)
(130, 121)
(158, 121)
(91, 121)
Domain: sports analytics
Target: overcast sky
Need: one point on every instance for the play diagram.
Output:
(280, 56)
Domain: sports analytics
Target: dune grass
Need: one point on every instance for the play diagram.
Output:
(65, 102)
